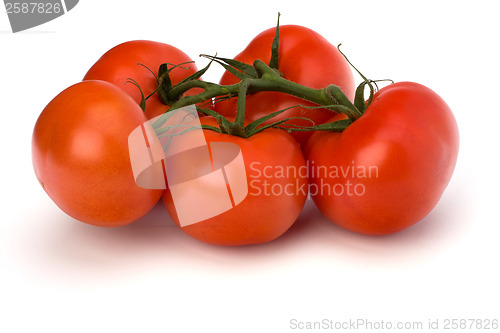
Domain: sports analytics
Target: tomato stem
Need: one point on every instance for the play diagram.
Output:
(261, 78)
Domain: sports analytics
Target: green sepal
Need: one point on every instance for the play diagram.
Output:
(142, 103)
(256, 123)
(334, 126)
(224, 123)
(359, 100)
(208, 112)
(197, 75)
(279, 122)
(156, 78)
(235, 72)
(239, 69)
(164, 83)
(212, 128)
(275, 46)
(236, 130)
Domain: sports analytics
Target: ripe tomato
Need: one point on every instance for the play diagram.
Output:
(390, 167)
(122, 62)
(276, 179)
(305, 57)
(80, 154)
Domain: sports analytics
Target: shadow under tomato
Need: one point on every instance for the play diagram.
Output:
(156, 243)
(445, 226)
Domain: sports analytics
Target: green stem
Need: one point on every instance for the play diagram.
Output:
(268, 79)
(210, 90)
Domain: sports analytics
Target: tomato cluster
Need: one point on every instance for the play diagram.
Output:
(380, 172)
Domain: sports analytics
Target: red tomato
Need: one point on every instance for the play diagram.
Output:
(122, 63)
(305, 57)
(80, 154)
(276, 178)
(390, 167)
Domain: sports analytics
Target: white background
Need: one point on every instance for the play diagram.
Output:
(61, 275)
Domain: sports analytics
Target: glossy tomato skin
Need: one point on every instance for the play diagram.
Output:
(274, 200)
(306, 58)
(122, 63)
(80, 155)
(392, 164)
